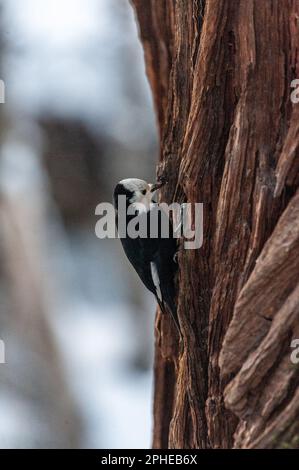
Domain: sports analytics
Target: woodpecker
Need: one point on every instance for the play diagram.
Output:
(152, 258)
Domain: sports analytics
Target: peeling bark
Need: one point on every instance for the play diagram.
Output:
(220, 72)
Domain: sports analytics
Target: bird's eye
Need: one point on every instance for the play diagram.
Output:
(143, 192)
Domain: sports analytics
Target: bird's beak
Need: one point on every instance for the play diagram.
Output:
(156, 186)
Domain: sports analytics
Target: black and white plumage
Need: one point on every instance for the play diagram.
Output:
(152, 258)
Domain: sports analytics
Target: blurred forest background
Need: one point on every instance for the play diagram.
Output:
(76, 322)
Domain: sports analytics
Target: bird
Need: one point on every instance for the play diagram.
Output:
(153, 258)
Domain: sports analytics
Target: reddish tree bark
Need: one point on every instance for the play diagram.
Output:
(220, 73)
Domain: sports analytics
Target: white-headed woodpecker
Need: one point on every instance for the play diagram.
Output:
(152, 257)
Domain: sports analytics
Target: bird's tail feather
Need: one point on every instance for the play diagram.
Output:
(170, 307)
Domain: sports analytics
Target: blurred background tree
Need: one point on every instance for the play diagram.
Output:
(76, 322)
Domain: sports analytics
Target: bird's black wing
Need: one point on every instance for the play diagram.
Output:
(166, 270)
(153, 260)
(138, 254)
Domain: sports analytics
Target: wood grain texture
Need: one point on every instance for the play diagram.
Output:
(220, 72)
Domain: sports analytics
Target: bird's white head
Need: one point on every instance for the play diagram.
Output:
(136, 191)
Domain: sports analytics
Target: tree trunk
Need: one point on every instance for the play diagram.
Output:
(220, 73)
